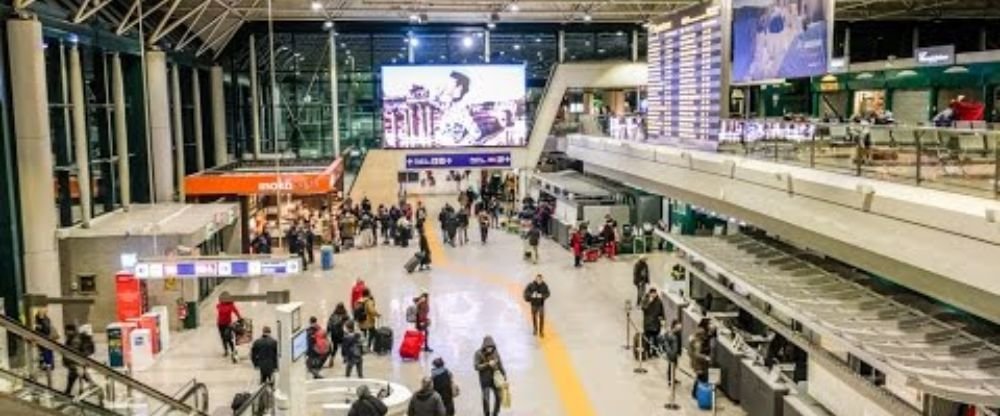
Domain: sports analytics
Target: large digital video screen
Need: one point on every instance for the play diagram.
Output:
(775, 39)
(433, 106)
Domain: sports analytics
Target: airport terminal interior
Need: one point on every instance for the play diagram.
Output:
(500, 207)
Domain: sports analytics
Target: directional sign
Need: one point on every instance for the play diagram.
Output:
(458, 160)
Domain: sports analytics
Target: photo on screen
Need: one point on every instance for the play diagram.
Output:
(434, 106)
(774, 39)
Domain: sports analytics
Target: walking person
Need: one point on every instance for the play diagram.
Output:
(264, 355)
(366, 404)
(576, 243)
(425, 252)
(43, 326)
(488, 364)
(82, 343)
(319, 347)
(367, 315)
(353, 351)
(335, 329)
(672, 345)
(536, 293)
(224, 311)
(484, 225)
(462, 220)
(640, 278)
(423, 319)
(534, 237)
(426, 401)
(444, 385)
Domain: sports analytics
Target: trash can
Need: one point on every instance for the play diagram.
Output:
(326, 257)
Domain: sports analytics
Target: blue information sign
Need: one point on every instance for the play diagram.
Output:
(458, 160)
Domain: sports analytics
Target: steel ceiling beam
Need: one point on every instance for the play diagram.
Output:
(162, 31)
(128, 23)
(211, 25)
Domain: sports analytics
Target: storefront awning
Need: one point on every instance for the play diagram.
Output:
(298, 177)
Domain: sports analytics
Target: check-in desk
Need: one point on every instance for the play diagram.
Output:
(760, 395)
(730, 361)
(689, 323)
(673, 306)
(796, 405)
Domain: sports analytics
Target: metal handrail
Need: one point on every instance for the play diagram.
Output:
(15, 328)
(64, 401)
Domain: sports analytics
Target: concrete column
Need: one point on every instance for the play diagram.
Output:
(121, 130)
(29, 95)
(635, 45)
(218, 117)
(255, 99)
(199, 145)
(334, 94)
(178, 123)
(162, 157)
(486, 46)
(561, 45)
(81, 145)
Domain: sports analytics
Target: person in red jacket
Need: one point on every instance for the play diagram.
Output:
(225, 310)
(423, 323)
(576, 243)
(357, 292)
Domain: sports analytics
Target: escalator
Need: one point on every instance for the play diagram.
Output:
(33, 368)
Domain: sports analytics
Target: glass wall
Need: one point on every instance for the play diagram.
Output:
(302, 111)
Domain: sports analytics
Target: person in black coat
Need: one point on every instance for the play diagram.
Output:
(652, 319)
(487, 362)
(444, 385)
(264, 355)
(640, 278)
(536, 294)
(366, 404)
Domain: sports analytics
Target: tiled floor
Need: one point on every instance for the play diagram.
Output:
(580, 368)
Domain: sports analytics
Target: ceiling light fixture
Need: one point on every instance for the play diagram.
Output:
(317, 6)
(517, 46)
(414, 42)
(414, 17)
(491, 25)
(467, 42)
(328, 25)
(587, 17)
(514, 7)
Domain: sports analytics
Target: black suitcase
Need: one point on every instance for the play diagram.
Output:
(412, 263)
(239, 400)
(383, 340)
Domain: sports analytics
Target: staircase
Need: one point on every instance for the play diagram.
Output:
(377, 178)
(26, 386)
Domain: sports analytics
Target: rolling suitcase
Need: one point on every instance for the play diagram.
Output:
(591, 255)
(705, 395)
(383, 340)
(413, 341)
(412, 263)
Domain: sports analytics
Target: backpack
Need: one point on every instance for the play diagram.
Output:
(321, 344)
(411, 314)
(360, 311)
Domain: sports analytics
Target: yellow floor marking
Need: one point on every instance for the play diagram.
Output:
(571, 392)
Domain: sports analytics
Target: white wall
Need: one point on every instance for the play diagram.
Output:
(838, 397)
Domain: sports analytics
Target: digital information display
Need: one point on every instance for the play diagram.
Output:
(300, 344)
(685, 79)
(436, 106)
(459, 160)
(193, 268)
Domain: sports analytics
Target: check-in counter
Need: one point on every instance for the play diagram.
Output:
(689, 323)
(760, 394)
(673, 306)
(796, 405)
(730, 361)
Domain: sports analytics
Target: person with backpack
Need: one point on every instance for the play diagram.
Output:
(366, 314)
(421, 311)
(264, 355)
(488, 364)
(426, 401)
(536, 294)
(319, 347)
(640, 278)
(366, 404)
(444, 385)
(534, 237)
(335, 329)
(352, 351)
(83, 343)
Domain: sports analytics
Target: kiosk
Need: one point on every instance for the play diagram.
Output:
(290, 390)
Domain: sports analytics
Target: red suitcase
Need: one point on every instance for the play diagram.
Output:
(591, 254)
(413, 342)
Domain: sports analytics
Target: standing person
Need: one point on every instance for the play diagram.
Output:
(357, 292)
(83, 343)
(43, 326)
(426, 401)
(672, 345)
(264, 355)
(425, 252)
(488, 363)
(640, 278)
(224, 311)
(319, 347)
(534, 237)
(353, 354)
(335, 328)
(310, 240)
(462, 218)
(494, 209)
(484, 225)
(423, 321)
(698, 353)
(369, 316)
(536, 294)
(608, 233)
(444, 385)
(366, 404)
(443, 223)
(576, 242)
(652, 320)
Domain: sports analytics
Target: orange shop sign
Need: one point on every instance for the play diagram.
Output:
(254, 183)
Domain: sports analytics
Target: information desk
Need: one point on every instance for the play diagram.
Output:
(760, 394)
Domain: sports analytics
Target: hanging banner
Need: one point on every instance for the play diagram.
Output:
(458, 160)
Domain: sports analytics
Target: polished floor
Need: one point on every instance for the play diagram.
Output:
(580, 368)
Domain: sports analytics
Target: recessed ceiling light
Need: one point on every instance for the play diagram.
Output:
(517, 47)
(587, 17)
(317, 6)
(514, 7)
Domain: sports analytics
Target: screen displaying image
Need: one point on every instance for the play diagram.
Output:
(453, 106)
(775, 39)
(300, 343)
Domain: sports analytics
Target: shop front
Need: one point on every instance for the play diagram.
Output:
(274, 196)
